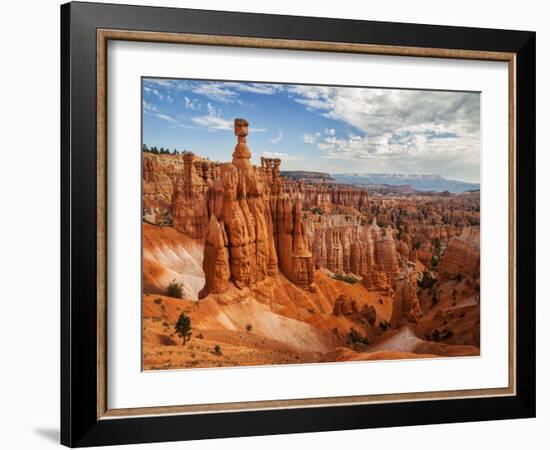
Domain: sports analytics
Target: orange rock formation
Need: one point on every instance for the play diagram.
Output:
(323, 271)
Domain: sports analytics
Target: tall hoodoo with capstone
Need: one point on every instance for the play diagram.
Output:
(245, 233)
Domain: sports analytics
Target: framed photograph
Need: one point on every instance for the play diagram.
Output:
(277, 224)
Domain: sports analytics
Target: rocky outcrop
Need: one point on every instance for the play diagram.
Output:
(216, 259)
(406, 306)
(329, 194)
(376, 280)
(236, 202)
(256, 239)
(156, 191)
(424, 254)
(342, 245)
(344, 306)
(386, 254)
(462, 256)
(190, 215)
(295, 258)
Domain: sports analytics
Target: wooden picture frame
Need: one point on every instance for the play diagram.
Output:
(86, 28)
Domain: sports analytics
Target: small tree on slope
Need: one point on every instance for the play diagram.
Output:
(183, 327)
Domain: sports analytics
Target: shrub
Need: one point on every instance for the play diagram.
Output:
(217, 350)
(437, 246)
(384, 325)
(355, 338)
(345, 278)
(175, 289)
(435, 298)
(248, 327)
(427, 280)
(447, 334)
(158, 301)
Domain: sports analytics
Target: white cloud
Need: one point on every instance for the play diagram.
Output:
(277, 138)
(452, 157)
(162, 83)
(257, 88)
(311, 138)
(424, 131)
(282, 156)
(214, 123)
(215, 91)
(191, 103)
(166, 118)
(219, 123)
(149, 107)
(213, 120)
(225, 92)
(378, 111)
(160, 95)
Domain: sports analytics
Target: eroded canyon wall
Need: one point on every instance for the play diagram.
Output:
(255, 224)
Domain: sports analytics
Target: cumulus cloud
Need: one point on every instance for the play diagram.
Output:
(216, 91)
(427, 131)
(311, 138)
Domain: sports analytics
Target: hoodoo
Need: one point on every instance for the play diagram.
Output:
(258, 239)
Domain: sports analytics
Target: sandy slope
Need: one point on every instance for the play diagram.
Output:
(274, 323)
(169, 255)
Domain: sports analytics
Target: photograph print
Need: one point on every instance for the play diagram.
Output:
(294, 224)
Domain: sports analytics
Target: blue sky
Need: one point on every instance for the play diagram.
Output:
(321, 128)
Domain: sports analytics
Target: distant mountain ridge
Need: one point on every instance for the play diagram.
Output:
(422, 182)
(306, 175)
